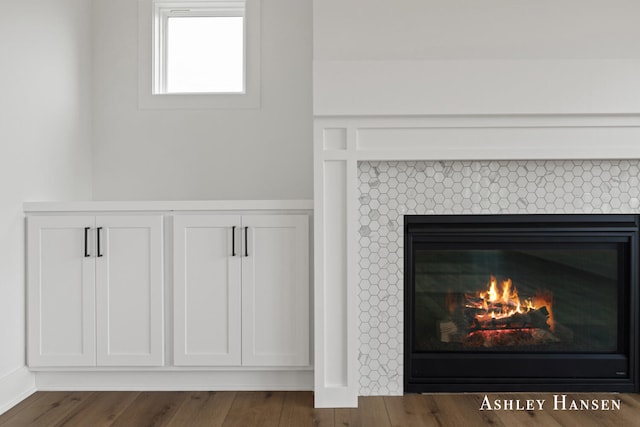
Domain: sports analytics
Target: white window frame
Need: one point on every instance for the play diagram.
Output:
(153, 16)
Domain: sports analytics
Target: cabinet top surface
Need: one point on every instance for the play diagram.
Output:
(167, 206)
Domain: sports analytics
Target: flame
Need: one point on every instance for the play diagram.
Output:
(494, 304)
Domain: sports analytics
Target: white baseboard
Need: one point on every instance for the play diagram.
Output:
(175, 380)
(16, 387)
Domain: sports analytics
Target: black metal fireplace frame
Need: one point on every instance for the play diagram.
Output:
(452, 372)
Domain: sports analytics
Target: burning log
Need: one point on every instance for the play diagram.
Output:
(498, 317)
(531, 319)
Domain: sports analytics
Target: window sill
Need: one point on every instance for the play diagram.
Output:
(149, 101)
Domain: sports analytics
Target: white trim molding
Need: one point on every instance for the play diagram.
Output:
(340, 142)
(176, 380)
(15, 387)
(454, 87)
(148, 98)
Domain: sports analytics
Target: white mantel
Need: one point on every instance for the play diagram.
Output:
(340, 142)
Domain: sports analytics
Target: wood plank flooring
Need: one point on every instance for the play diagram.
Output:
(295, 409)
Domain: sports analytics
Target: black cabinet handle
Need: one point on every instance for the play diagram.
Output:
(246, 247)
(233, 241)
(86, 242)
(98, 243)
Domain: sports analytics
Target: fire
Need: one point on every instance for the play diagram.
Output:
(495, 305)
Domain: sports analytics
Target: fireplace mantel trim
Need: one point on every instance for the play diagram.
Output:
(341, 142)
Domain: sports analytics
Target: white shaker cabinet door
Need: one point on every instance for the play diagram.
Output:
(61, 291)
(207, 290)
(129, 287)
(275, 286)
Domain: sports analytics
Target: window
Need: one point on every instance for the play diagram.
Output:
(201, 54)
(204, 54)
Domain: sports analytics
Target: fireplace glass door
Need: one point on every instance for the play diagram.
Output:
(518, 297)
(521, 302)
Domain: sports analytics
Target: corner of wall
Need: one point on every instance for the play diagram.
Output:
(15, 387)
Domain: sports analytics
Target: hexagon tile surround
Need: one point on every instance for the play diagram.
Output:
(390, 190)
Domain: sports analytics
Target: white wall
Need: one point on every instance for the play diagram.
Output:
(45, 115)
(203, 154)
(476, 57)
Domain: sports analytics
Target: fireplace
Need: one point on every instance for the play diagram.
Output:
(521, 302)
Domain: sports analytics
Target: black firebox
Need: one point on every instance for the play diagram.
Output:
(521, 303)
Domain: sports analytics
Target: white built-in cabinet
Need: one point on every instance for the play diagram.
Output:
(95, 290)
(173, 286)
(241, 290)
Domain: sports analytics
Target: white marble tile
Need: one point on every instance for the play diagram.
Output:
(390, 190)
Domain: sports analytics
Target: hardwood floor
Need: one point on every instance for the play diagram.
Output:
(295, 409)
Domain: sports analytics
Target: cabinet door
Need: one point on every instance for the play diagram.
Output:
(129, 289)
(61, 291)
(275, 290)
(207, 290)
